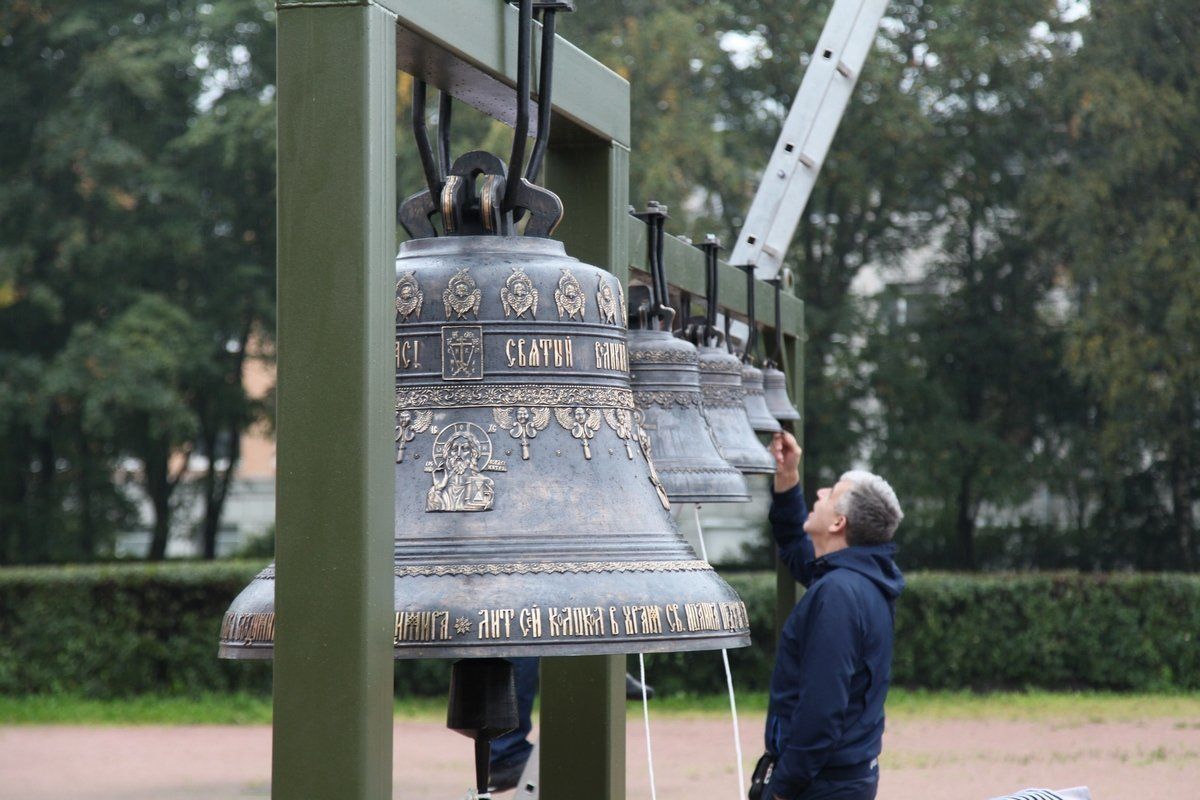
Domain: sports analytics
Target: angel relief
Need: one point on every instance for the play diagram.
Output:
(522, 423)
(408, 425)
(582, 423)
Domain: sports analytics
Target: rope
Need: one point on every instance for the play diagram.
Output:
(646, 719)
(737, 739)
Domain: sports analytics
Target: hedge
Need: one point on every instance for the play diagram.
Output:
(112, 631)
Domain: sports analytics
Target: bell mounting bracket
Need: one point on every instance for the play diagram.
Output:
(654, 305)
(505, 195)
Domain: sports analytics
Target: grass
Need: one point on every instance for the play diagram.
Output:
(244, 709)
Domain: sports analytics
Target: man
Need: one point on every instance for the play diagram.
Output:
(825, 720)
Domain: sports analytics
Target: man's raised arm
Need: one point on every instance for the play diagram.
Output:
(788, 509)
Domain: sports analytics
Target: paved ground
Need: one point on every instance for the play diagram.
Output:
(924, 760)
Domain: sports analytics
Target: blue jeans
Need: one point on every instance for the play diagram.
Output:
(861, 789)
(514, 747)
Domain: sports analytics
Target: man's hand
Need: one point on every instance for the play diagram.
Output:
(787, 461)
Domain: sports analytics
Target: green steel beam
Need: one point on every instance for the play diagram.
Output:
(684, 265)
(334, 506)
(593, 183)
(468, 47)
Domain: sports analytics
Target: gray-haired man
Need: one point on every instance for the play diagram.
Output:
(825, 720)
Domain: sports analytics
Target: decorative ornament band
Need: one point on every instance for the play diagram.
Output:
(664, 356)
(537, 568)
(723, 396)
(477, 396)
(667, 399)
(722, 367)
(753, 391)
(555, 568)
(698, 470)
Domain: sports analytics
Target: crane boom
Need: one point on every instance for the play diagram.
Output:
(807, 133)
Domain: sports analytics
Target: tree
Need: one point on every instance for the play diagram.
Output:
(1120, 216)
(120, 201)
(961, 386)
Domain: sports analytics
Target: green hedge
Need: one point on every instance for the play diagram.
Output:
(114, 631)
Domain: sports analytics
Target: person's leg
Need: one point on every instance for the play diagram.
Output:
(861, 789)
(511, 751)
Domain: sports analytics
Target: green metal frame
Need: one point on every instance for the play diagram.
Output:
(337, 62)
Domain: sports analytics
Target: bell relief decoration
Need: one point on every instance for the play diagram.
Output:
(606, 302)
(409, 297)
(569, 297)
(522, 423)
(582, 423)
(518, 295)
(462, 296)
(408, 425)
(462, 452)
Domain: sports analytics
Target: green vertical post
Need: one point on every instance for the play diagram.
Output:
(334, 506)
(787, 591)
(582, 737)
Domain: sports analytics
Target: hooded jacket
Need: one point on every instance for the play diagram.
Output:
(834, 660)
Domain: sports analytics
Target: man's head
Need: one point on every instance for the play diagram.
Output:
(860, 509)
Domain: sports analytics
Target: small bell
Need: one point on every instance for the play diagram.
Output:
(721, 384)
(665, 372)
(775, 393)
(774, 381)
(752, 377)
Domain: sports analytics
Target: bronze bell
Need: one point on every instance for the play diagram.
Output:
(530, 519)
(665, 372)
(776, 396)
(774, 381)
(760, 417)
(721, 386)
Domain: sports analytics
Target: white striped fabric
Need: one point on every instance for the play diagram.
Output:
(1077, 793)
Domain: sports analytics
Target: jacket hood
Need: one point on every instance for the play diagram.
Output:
(873, 561)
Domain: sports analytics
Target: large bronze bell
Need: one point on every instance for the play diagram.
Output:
(721, 386)
(530, 519)
(665, 372)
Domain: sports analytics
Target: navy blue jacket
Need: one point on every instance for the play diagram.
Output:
(834, 661)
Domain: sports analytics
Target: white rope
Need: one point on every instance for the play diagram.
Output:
(737, 739)
(646, 719)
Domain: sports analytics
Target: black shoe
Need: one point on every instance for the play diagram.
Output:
(502, 777)
(633, 688)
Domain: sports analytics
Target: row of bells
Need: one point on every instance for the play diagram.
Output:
(539, 444)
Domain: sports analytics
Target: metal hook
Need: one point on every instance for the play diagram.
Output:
(434, 177)
(516, 158)
(710, 246)
(655, 216)
(752, 336)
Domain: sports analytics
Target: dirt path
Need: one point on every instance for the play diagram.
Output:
(923, 760)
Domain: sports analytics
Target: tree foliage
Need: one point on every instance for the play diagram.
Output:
(136, 255)
(1022, 175)
(1118, 212)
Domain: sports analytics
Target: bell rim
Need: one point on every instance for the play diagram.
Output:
(676, 644)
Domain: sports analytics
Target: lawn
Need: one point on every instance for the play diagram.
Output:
(242, 709)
